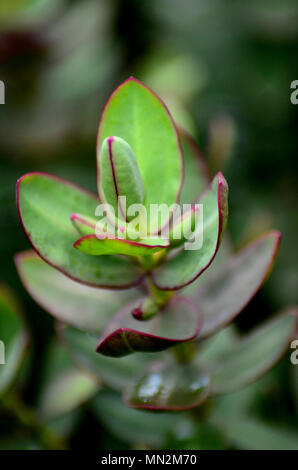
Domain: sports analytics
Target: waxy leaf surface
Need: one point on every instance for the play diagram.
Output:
(138, 116)
(45, 205)
(179, 321)
(167, 385)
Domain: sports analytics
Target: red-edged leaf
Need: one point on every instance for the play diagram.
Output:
(137, 115)
(187, 265)
(179, 321)
(92, 245)
(230, 290)
(45, 204)
(167, 385)
(248, 359)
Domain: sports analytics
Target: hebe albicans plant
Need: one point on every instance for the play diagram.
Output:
(136, 303)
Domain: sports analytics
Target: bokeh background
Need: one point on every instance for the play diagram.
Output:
(224, 67)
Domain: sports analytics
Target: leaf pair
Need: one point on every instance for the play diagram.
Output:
(134, 132)
(219, 358)
(159, 339)
(47, 203)
(53, 212)
(223, 366)
(168, 385)
(178, 322)
(243, 274)
(145, 139)
(90, 309)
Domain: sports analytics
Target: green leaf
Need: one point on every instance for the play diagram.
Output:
(178, 322)
(222, 257)
(92, 245)
(116, 373)
(214, 347)
(187, 265)
(67, 392)
(81, 306)
(196, 177)
(134, 426)
(119, 176)
(13, 339)
(230, 290)
(45, 205)
(250, 358)
(223, 366)
(64, 387)
(167, 385)
(138, 116)
(240, 402)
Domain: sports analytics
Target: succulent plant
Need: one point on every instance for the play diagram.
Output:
(122, 292)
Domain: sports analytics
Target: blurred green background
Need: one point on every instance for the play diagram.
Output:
(224, 67)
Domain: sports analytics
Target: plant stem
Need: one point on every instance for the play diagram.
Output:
(184, 352)
(161, 297)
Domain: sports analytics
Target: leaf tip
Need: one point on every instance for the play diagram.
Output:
(277, 235)
(110, 140)
(221, 179)
(77, 244)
